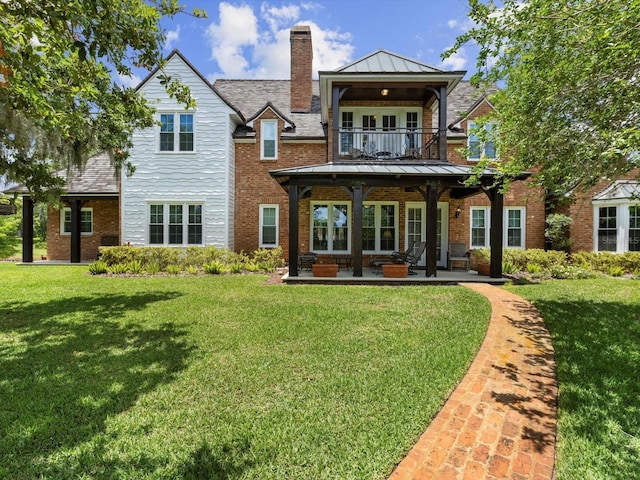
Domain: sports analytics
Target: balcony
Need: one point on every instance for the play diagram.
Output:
(415, 144)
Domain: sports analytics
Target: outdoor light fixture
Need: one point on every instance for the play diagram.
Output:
(384, 92)
(458, 211)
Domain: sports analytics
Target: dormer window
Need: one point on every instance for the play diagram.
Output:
(481, 147)
(269, 140)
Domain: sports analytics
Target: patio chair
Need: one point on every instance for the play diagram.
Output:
(458, 253)
(414, 257)
(306, 260)
(402, 256)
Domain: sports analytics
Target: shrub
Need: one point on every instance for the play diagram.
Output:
(268, 258)
(98, 268)
(236, 267)
(214, 267)
(117, 255)
(508, 267)
(557, 231)
(192, 270)
(615, 271)
(152, 268)
(135, 267)
(118, 269)
(533, 268)
(173, 269)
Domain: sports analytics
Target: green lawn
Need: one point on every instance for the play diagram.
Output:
(221, 377)
(595, 328)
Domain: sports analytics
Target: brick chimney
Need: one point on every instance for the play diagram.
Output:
(301, 69)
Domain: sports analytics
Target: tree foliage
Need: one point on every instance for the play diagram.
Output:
(58, 99)
(570, 106)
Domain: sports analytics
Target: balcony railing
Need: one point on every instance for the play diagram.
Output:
(399, 144)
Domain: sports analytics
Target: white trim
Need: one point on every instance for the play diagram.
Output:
(165, 222)
(622, 223)
(523, 227)
(329, 240)
(377, 217)
(262, 208)
(176, 132)
(62, 216)
(487, 226)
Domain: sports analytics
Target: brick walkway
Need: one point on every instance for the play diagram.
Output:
(500, 422)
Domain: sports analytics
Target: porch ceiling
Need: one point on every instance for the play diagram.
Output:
(390, 174)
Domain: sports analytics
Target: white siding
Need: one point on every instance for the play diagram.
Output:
(202, 176)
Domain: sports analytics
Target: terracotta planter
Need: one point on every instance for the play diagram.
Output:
(324, 269)
(483, 269)
(395, 270)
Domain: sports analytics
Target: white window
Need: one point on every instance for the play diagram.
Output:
(379, 227)
(175, 224)
(86, 221)
(269, 216)
(269, 143)
(617, 228)
(513, 227)
(480, 226)
(330, 227)
(176, 132)
(481, 147)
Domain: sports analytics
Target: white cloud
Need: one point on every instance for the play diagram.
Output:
(172, 38)
(129, 80)
(246, 46)
(461, 26)
(238, 28)
(457, 61)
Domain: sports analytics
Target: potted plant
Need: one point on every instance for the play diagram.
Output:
(325, 269)
(395, 270)
(481, 260)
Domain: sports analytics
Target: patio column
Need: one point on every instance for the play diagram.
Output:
(335, 122)
(357, 230)
(497, 204)
(432, 229)
(76, 231)
(293, 230)
(442, 124)
(27, 230)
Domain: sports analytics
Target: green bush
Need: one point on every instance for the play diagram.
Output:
(173, 269)
(557, 231)
(152, 268)
(98, 268)
(215, 267)
(135, 266)
(533, 268)
(604, 262)
(192, 269)
(119, 268)
(268, 258)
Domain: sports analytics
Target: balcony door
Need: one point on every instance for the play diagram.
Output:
(416, 219)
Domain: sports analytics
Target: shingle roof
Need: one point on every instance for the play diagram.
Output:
(97, 177)
(251, 96)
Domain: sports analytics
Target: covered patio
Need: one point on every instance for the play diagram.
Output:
(431, 179)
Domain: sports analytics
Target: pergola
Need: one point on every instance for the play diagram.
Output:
(430, 179)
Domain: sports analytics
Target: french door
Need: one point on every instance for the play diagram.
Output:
(416, 220)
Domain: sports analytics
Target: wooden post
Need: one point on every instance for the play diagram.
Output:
(442, 124)
(76, 230)
(357, 229)
(497, 204)
(293, 230)
(432, 229)
(27, 230)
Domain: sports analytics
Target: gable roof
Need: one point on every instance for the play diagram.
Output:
(177, 53)
(383, 61)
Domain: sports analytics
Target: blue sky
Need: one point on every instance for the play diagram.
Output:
(250, 38)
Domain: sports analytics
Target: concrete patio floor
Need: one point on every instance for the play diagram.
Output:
(369, 277)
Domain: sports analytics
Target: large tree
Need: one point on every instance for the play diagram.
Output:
(570, 106)
(58, 99)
